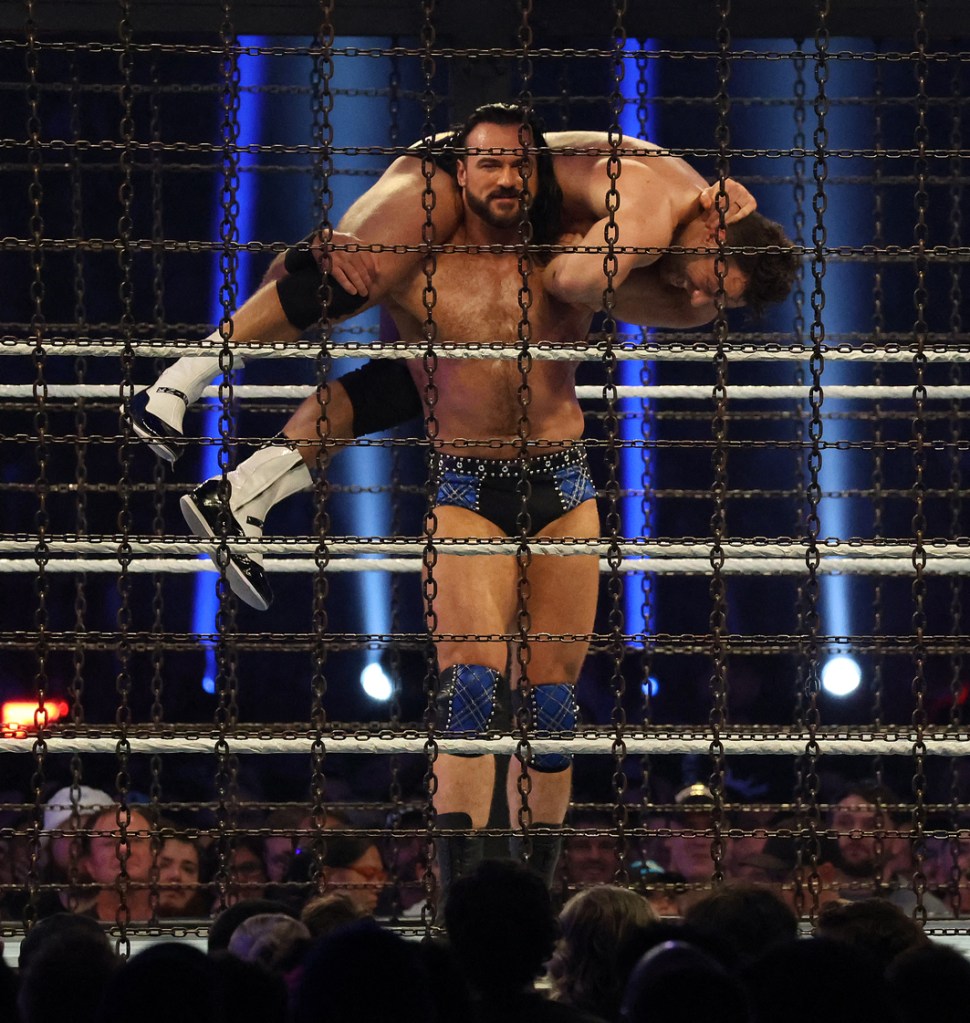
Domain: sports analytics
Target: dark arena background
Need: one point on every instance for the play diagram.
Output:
(780, 665)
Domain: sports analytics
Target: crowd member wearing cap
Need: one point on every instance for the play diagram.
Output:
(67, 816)
(690, 854)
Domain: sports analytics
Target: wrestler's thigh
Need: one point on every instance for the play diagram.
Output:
(473, 593)
(315, 417)
(562, 598)
(391, 213)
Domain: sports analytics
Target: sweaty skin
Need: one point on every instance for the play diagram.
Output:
(662, 199)
(477, 398)
(659, 196)
(478, 412)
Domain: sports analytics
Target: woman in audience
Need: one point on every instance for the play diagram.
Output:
(594, 924)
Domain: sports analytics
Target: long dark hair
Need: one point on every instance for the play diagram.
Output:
(545, 210)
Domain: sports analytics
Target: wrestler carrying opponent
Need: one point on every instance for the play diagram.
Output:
(663, 202)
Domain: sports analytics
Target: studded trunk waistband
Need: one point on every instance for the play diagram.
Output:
(510, 468)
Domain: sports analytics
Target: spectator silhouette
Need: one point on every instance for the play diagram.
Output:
(877, 927)
(65, 964)
(364, 973)
(325, 913)
(930, 983)
(817, 978)
(674, 981)
(502, 928)
(275, 940)
(8, 992)
(220, 931)
(642, 939)
(249, 992)
(168, 981)
(748, 918)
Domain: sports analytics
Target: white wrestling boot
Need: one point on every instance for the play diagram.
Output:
(158, 411)
(254, 487)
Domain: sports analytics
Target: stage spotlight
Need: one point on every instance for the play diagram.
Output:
(651, 687)
(375, 682)
(841, 675)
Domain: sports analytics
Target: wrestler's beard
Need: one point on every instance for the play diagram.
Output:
(484, 211)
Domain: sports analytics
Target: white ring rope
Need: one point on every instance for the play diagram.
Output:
(672, 566)
(624, 351)
(836, 557)
(635, 744)
(655, 392)
(740, 566)
(565, 546)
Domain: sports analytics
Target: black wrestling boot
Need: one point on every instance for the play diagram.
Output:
(244, 572)
(544, 859)
(162, 438)
(458, 855)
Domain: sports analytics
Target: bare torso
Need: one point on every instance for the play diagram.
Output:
(479, 405)
(392, 214)
(585, 179)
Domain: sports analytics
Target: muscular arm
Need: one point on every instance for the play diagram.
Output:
(645, 217)
(391, 218)
(648, 302)
(391, 214)
(657, 195)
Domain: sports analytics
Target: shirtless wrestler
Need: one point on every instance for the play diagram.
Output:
(477, 415)
(663, 202)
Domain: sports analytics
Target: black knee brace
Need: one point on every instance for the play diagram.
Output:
(302, 290)
(382, 395)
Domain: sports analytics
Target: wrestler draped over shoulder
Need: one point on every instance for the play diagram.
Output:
(662, 203)
(499, 170)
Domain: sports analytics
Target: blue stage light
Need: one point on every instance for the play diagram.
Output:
(651, 687)
(252, 72)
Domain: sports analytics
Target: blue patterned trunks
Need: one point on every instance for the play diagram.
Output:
(492, 487)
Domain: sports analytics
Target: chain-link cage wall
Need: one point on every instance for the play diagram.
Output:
(774, 490)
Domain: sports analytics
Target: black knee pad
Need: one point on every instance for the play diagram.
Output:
(382, 395)
(300, 257)
(301, 295)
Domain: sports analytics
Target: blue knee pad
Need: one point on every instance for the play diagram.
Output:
(466, 700)
(552, 709)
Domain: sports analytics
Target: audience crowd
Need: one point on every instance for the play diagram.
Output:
(706, 911)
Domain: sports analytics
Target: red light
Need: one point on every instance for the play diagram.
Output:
(18, 717)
